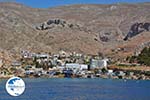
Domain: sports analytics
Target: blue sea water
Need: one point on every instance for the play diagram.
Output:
(80, 89)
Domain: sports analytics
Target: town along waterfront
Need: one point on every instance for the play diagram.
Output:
(81, 89)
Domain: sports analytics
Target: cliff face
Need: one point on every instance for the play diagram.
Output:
(83, 28)
(137, 28)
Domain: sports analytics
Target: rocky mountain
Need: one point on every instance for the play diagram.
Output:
(82, 28)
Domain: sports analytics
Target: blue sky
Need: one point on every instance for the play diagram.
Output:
(53, 3)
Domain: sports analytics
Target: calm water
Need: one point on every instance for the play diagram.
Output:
(81, 89)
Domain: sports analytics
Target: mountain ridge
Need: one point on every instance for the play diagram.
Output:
(100, 28)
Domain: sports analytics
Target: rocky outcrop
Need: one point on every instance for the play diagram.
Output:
(55, 23)
(104, 38)
(136, 29)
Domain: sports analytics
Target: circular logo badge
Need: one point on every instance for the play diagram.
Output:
(15, 86)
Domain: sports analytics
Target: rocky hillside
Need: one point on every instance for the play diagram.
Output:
(83, 28)
(6, 58)
(137, 28)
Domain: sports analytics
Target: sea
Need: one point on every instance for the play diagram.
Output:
(80, 89)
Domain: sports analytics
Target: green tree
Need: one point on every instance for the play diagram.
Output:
(144, 57)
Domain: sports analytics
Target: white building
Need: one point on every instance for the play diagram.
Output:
(83, 67)
(42, 55)
(73, 66)
(76, 67)
(1, 62)
(16, 63)
(98, 63)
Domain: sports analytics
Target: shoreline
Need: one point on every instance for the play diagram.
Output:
(126, 73)
(112, 78)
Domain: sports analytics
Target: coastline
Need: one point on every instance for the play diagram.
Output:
(100, 77)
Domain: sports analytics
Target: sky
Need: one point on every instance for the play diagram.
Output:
(54, 3)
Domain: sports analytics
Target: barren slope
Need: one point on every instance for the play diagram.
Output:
(87, 28)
